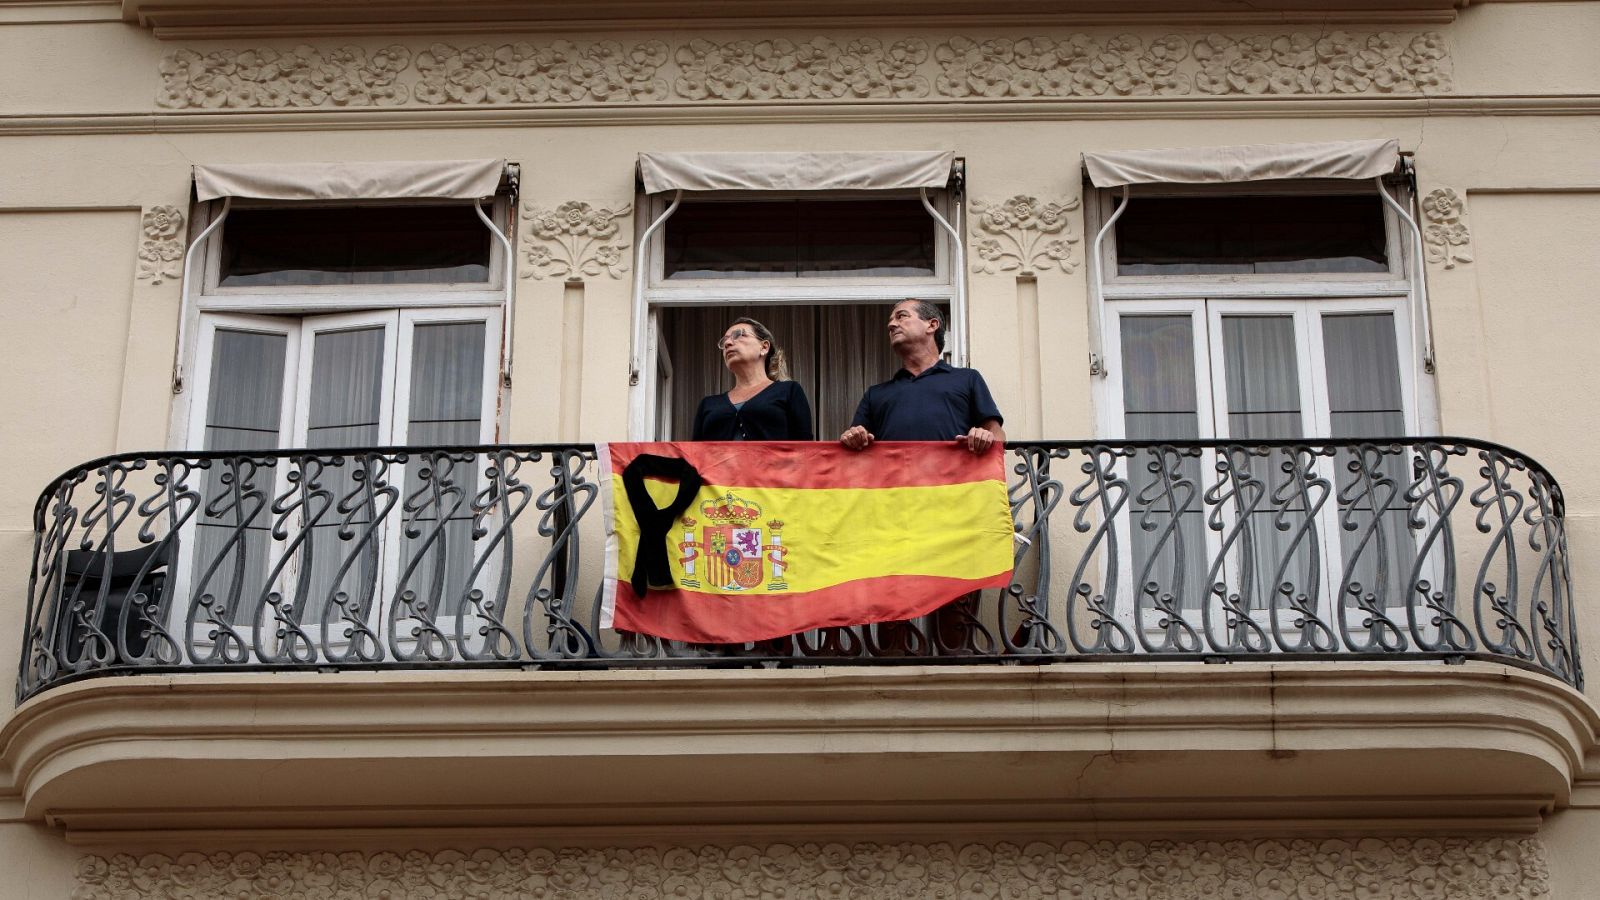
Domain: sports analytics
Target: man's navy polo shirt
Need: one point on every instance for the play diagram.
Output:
(941, 404)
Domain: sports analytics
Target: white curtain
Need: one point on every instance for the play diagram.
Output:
(346, 394)
(446, 409)
(1160, 403)
(1364, 400)
(243, 410)
(855, 341)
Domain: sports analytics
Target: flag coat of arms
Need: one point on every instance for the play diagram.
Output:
(726, 542)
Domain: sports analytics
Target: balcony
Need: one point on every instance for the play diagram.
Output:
(1276, 630)
(490, 557)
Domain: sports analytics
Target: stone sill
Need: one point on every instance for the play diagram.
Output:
(1127, 747)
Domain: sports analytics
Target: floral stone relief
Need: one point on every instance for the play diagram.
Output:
(1413, 869)
(160, 248)
(559, 72)
(1446, 236)
(1022, 234)
(573, 240)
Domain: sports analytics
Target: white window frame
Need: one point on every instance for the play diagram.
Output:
(207, 300)
(645, 404)
(1205, 298)
(394, 404)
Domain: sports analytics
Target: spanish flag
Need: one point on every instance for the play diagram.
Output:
(733, 542)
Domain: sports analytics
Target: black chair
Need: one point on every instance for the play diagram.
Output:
(82, 573)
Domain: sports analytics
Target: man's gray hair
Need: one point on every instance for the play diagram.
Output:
(927, 312)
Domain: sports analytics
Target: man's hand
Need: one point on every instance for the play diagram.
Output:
(856, 437)
(981, 437)
(978, 440)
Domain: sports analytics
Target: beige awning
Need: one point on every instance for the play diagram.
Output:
(456, 179)
(1246, 162)
(808, 171)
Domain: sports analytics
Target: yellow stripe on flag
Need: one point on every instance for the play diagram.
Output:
(835, 535)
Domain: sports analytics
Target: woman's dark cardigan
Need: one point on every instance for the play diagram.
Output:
(778, 413)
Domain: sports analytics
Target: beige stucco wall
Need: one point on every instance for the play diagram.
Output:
(87, 344)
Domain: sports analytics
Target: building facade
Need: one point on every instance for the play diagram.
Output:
(1228, 270)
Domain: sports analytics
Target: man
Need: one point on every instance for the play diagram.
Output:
(928, 399)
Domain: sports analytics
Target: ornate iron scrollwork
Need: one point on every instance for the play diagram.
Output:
(360, 557)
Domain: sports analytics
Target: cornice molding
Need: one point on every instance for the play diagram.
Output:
(59, 12)
(800, 112)
(191, 18)
(1137, 743)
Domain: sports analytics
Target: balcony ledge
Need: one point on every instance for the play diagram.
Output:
(1130, 749)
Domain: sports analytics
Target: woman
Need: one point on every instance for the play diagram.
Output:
(764, 405)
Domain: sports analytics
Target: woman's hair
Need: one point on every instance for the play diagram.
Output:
(777, 363)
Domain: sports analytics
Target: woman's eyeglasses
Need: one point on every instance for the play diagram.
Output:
(738, 334)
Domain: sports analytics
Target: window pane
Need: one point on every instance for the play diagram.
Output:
(245, 399)
(1363, 375)
(1364, 400)
(354, 246)
(346, 398)
(1263, 397)
(1158, 385)
(1251, 235)
(346, 388)
(243, 406)
(446, 409)
(446, 384)
(1159, 403)
(799, 239)
(1263, 377)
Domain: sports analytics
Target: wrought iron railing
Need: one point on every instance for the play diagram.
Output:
(1437, 548)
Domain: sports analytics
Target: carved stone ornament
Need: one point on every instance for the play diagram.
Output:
(575, 239)
(1420, 869)
(160, 249)
(562, 72)
(1446, 235)
(1022, 234)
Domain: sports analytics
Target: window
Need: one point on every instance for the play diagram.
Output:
(820, 269)
(1230, 235)
(1278, 313)
(335, 327)
(354, 245)
(854, 238)
(307, 257)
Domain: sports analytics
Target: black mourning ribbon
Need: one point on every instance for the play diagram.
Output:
(651, 565)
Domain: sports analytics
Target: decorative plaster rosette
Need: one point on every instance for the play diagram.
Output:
(575, 239)
(161, 250)
(561, 72)
(1022, 234)
(1446, 235)
(1421, 869)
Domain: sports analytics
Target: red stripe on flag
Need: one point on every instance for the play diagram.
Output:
(719, 619)
(824, 464)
